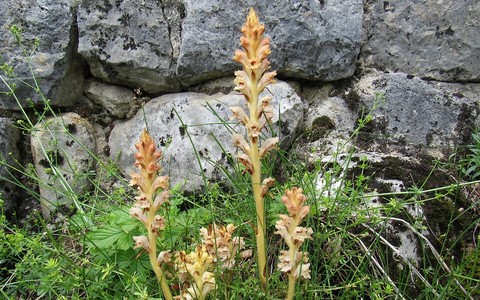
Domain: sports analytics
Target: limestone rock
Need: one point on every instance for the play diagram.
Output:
(419, 113)
(155, 46)
(184, 126)
(316, 40)
(9, 154)
(56, 67)
(130, 42)
(61, 148)
(117, 100)
(429, 39)
(328, 125)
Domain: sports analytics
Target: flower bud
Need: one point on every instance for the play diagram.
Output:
(239, 141)
(246, 162)
(268, 145)
(141, 242)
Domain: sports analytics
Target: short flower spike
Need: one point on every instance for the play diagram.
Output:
(294, 262)
(152, 193)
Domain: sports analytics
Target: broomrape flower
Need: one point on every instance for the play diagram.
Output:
(141, 242)
(222, 245)
(251, 81)
(193, 272)
(240, 142)
(152, 193)
(164, 257)
(139, 214)
(294, 262)
(239, 114)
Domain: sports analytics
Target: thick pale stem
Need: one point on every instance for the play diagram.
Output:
(152, 240)
(292, 251)
(260, 209)
(156, 268)
(199, 283)
(259, 201)
(291, 286)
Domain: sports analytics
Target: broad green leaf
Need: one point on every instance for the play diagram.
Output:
(106, 236)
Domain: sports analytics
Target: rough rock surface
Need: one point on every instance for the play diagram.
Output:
(419, 113)
(61, 148)
(164, 116)
(9, 155)
(429, 39)
(55, 64)
(155, 45)
(311, 39)
(129, 43)
(329, 123)
(117, 100)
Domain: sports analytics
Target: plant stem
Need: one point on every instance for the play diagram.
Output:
(152, 239)
(256, 186)
(260, 209)
(291, 286)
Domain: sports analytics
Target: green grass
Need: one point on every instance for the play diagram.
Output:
(90, 255)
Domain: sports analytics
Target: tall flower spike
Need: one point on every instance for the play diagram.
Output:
(220, 244)
(147, 156)
(251, 81)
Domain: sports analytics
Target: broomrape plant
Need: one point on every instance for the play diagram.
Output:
(251, 81)
(294, 262)
(219, 248)
(152, 194)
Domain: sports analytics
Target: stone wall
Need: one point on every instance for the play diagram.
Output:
(99, 62)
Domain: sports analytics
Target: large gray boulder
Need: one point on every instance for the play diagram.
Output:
(63, 150)
(316, 40)
(429, 39)
(9, 157)
(55, 65)
(428, 114)
(193, 128)
(130, 42)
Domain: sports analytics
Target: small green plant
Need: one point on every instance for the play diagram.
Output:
(472, 159)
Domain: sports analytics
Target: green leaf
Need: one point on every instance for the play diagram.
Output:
(106, 236)
(125, 242)
(130, 262)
